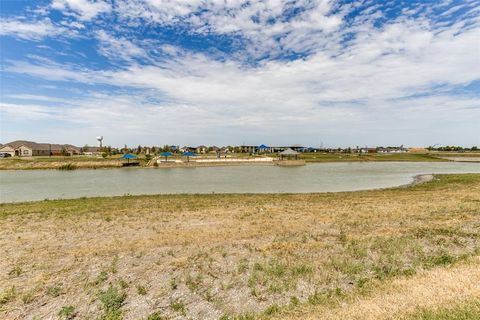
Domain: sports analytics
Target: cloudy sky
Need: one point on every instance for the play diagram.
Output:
(189, 72)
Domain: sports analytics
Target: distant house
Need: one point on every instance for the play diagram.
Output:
(91, 151)
(191, 149)
(7, 149)
(201, 149)
(400, 149)
(249, 149)
(23, 148)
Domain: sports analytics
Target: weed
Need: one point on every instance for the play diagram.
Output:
(179, 307)
(112, 299)
(123, 284)
(155, 316)
(141, 290)
(194, 283)
(54, 291)
(28, 297)
(111, 315)
(245, 316)
(271, 310)
(102, 277)
(114, 265)
(173, 284)
(8, 295)
(242, 266)
(15, 272)
(294, 301)
(67, 312)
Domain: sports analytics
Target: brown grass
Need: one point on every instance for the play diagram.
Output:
(207, 256)
(56, 163)
(405, 298)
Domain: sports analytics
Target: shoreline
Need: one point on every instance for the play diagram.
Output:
(81, 165)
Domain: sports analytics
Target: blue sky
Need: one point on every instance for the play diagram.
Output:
(155, 72)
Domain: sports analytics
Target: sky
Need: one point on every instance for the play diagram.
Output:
(313, 72)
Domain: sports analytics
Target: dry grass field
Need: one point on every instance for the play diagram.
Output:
(402, 253)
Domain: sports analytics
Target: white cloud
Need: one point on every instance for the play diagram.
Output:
(34, 30)
(83, 9)
(259, 22)
(118, 48)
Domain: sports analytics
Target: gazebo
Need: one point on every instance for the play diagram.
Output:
(263, 148)
(166, 155)
(129, 156)
(188, 154)
(289, 153)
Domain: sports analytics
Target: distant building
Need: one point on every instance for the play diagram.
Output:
(23, 148)
(91, 151)
(264, 148)
(201, 149)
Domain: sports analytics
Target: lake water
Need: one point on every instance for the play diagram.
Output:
(322, 177)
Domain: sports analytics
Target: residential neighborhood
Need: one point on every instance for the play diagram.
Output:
(24, 148)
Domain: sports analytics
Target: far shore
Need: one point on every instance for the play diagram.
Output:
(89, 162)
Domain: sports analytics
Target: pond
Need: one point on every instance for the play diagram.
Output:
(321, 177)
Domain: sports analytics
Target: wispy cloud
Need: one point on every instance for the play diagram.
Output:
(32, 30)
(82, 9)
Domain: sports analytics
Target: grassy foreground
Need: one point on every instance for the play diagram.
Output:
(404, 253)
